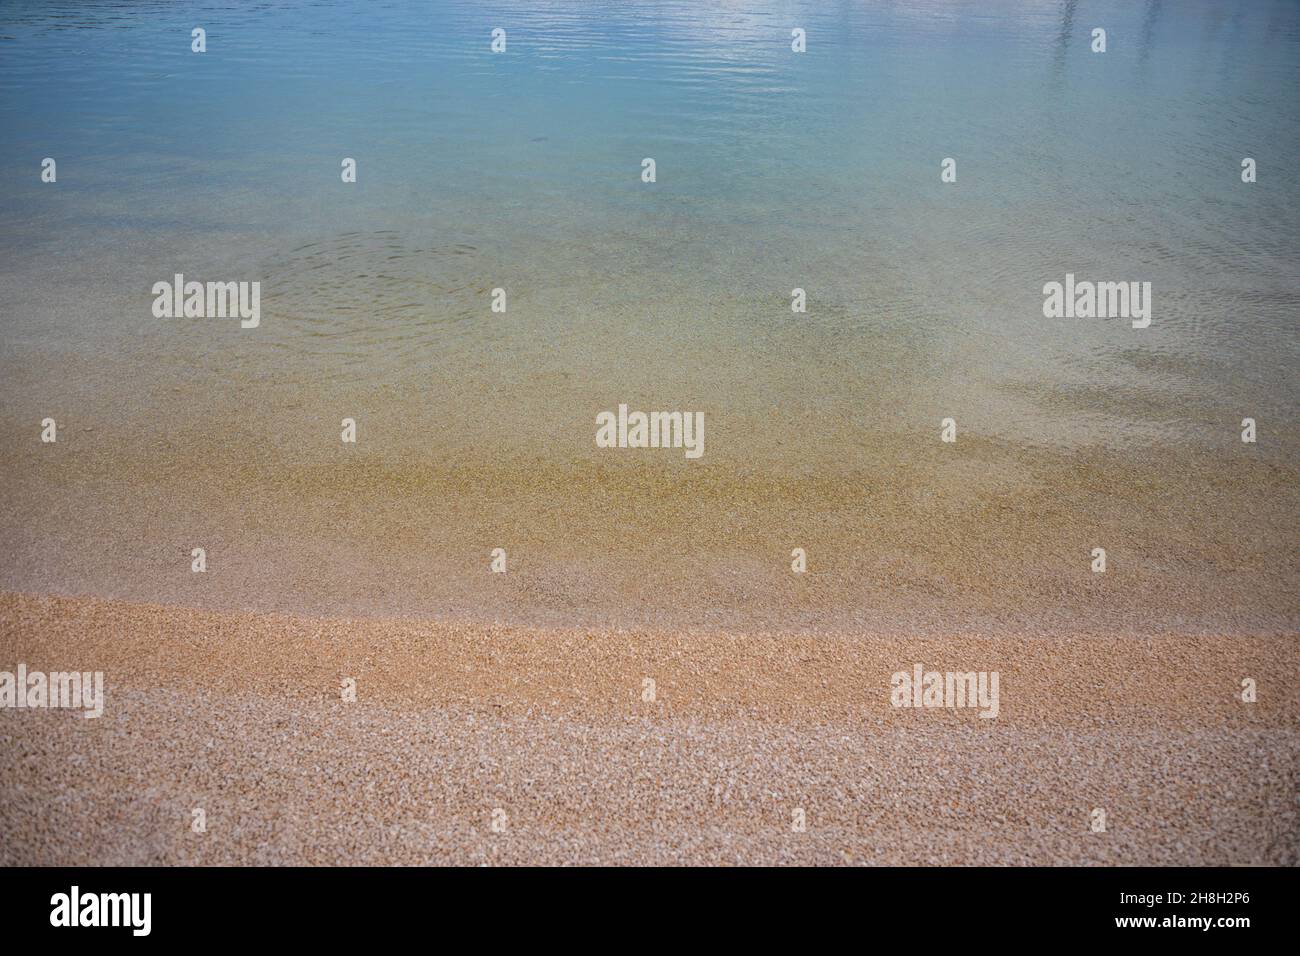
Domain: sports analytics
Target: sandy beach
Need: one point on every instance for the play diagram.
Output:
(369, 581)
(242, 715)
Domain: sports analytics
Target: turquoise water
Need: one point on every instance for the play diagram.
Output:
(521, 170)
(776, 170)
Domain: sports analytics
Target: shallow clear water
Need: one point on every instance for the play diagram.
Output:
(774, 170)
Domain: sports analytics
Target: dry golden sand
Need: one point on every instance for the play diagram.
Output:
(241, 715)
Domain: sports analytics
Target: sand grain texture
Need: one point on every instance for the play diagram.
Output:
(240, 714)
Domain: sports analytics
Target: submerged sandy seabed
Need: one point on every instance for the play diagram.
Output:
(522, 692)
(241, 715)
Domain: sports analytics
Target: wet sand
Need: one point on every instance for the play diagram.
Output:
(329, 559)
(241, 714)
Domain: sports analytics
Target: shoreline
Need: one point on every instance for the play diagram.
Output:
(241, 714)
